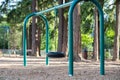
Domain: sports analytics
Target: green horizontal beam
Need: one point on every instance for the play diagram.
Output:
(56, 7)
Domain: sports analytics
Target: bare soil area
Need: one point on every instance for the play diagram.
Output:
(11, 68)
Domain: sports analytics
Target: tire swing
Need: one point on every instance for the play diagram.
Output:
(55, 54)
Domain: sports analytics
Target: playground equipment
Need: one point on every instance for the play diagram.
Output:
(72, 5)
(56, 54)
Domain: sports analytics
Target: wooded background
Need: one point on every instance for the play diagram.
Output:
(86, 26)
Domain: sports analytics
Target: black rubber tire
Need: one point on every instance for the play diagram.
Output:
(56, 54)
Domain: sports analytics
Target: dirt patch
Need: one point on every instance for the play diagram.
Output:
(11, 68)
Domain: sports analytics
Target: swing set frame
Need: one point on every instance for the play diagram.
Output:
(72, 5)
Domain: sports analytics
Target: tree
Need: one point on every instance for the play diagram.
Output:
(65, 37)
(19, 12)
(117, 31)
(38, 33)
(38, 38)
(60, 27)
(35, 31)
(96, 34)
(62, 31)
(76, 33)
(29, 38)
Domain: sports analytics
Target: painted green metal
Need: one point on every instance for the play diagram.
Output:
(25, 39)
(70, 36)
(24, 28)
(47, 36)
(53, 8)
(70, 33)
(102, 69)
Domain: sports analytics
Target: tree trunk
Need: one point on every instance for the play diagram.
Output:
(33, 28)
(27, 35)
(76, 32)
(60, 27)
(38, 41)
(62, 33)
(38, 37)
(30, 37)
(65, 38)
(96, 35)
(96, 49)
(117, 31)
(65, 32)
(27, 40)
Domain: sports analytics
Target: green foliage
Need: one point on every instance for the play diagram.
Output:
(4, 23)
(110, 33)
(15, 39)
(53, 33)
(109, 38)
(16, 15)
(87, 17)
(3, 37)
(87, 40)
(108, 55)
(110, 23)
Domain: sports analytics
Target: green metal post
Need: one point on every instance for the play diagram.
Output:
(47, 36)
(25, 39)
(102, 71)
(70, 36)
